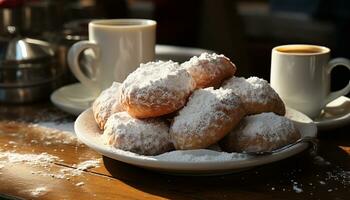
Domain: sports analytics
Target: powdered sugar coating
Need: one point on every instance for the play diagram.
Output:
(253, 89)
(207, 112)
(271, 126)
(157, 85)
(262, 132)
(106, 104)
(209, 69)
(256, 93)
(145, 137)
(200, 155)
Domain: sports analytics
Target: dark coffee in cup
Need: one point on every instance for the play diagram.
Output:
(301, 49)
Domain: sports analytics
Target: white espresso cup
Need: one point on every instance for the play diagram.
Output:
(300, 74)
(119, 45)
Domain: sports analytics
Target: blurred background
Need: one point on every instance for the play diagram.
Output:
(244, 31)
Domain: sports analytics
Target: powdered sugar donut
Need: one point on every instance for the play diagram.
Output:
(106, 104)
(261, 132)
(208, 116)
(209, 70)
(141, 136)
(256, 94)
(155, 89)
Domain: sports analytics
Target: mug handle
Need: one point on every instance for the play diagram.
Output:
(73, 62)
(333, 63)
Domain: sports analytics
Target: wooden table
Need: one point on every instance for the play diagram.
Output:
(23, 132)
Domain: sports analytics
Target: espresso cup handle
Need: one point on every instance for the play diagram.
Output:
(333, 63)
(73, 62)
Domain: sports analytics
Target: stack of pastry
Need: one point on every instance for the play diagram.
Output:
(163, 106)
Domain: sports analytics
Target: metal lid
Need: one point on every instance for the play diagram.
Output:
(23, 50)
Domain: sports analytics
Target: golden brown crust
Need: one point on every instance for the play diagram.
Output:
(273, 105)
(148, 109)
(106, 104)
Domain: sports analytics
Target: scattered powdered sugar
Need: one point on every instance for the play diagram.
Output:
(57, 175)
(106, 104)
(158, 83)
(70, 172)
(80, 184)
(39, 191)
(12, 142)
(297, 189)
(274, 131)
(46, 160)
(334, 180)
(42, 159)
(88, 164)
(65, 128)
(253, 89)
(143, 136)
(339, 175)
(77, 170)
(47, 133)
(204, 107)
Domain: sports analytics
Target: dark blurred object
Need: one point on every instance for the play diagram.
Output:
(177, 21)
(336, 14)
(40, 17)
(11, 3)
(222, 30)
(10, 14)
(296, 6)
(31, 17)
(111, 9)
(28, 70)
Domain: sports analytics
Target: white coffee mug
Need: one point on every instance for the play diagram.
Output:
(300, 74)
(119, 45)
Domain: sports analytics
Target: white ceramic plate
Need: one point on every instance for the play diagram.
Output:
(76, 98)
(335, 114)
(191, 162)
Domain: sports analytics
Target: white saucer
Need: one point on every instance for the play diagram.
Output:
(191, 162)
(336, 114)
(76, 98)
